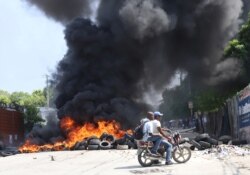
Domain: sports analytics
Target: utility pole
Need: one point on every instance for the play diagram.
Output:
(47, 88)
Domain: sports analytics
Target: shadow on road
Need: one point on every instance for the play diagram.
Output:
(129, 167)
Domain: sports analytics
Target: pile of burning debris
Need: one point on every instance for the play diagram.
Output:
(88, 136)
(106, 141)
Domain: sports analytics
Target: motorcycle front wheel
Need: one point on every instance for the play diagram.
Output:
(144, 159)
(182, 154)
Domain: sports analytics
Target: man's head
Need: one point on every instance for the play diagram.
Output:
(157, 115)
(150, 115)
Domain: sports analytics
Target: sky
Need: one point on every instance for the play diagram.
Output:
(31, 45)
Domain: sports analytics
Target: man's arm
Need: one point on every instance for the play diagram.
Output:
(166, 129)
(162, 133)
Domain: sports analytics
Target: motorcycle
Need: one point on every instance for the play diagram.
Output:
(180, 152)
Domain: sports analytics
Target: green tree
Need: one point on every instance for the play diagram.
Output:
(31, 117)
(240, 48)
(30, 102)
(4, 97)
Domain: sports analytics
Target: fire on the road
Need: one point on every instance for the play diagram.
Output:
(74, 133)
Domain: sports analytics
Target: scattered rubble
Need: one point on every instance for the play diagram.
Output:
(226, 151)
(204, 141)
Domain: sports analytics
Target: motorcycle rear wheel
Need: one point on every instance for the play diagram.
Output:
(182, 154)
(144, 159)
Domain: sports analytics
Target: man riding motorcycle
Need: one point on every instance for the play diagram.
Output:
(153, 132)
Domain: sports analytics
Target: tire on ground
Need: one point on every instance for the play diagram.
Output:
(6, 153)
(122, 147)
(84, 143)
(184, 140)
(90, 138)
(131, 145)
(94, 142)
(110, 138)
(239, 142)
(204, 144)
(201, 137)
(212, 141)
(105, 145)
(225, 138)
(192, 147)
(81, 147)
(196, 144)
(93, 147)
(120, 141)
(76, 146)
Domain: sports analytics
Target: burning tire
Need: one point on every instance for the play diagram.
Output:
(105, 145)
(107, 137)
(81, 147)
(93, 147)
(76, 146)
(94, 142)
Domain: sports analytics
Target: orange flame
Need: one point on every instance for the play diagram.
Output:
(75, 132)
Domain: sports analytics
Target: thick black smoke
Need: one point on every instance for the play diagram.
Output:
(50, 133)
(137, 44)
(63, 10)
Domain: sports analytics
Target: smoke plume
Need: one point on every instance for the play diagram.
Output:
(139, 44)
(144, 19)
(136, 46)
(63, 10)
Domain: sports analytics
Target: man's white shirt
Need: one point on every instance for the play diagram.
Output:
(155, 125)
(147, 128)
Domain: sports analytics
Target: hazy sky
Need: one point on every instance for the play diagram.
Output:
(31, 45)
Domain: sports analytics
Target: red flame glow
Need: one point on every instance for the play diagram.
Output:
(75, 132)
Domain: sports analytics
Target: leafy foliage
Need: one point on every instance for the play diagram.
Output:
(240, 48)
(30, 102)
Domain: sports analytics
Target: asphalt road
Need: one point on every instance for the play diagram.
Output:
(116, 162)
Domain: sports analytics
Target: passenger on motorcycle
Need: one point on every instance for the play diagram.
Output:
(147, 128)
(157, 136)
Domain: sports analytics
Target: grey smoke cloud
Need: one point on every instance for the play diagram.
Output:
(144, 18)
(137, 45)
(226, 70)
(63, 10)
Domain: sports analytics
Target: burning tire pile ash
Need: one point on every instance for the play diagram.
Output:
(204, 141)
